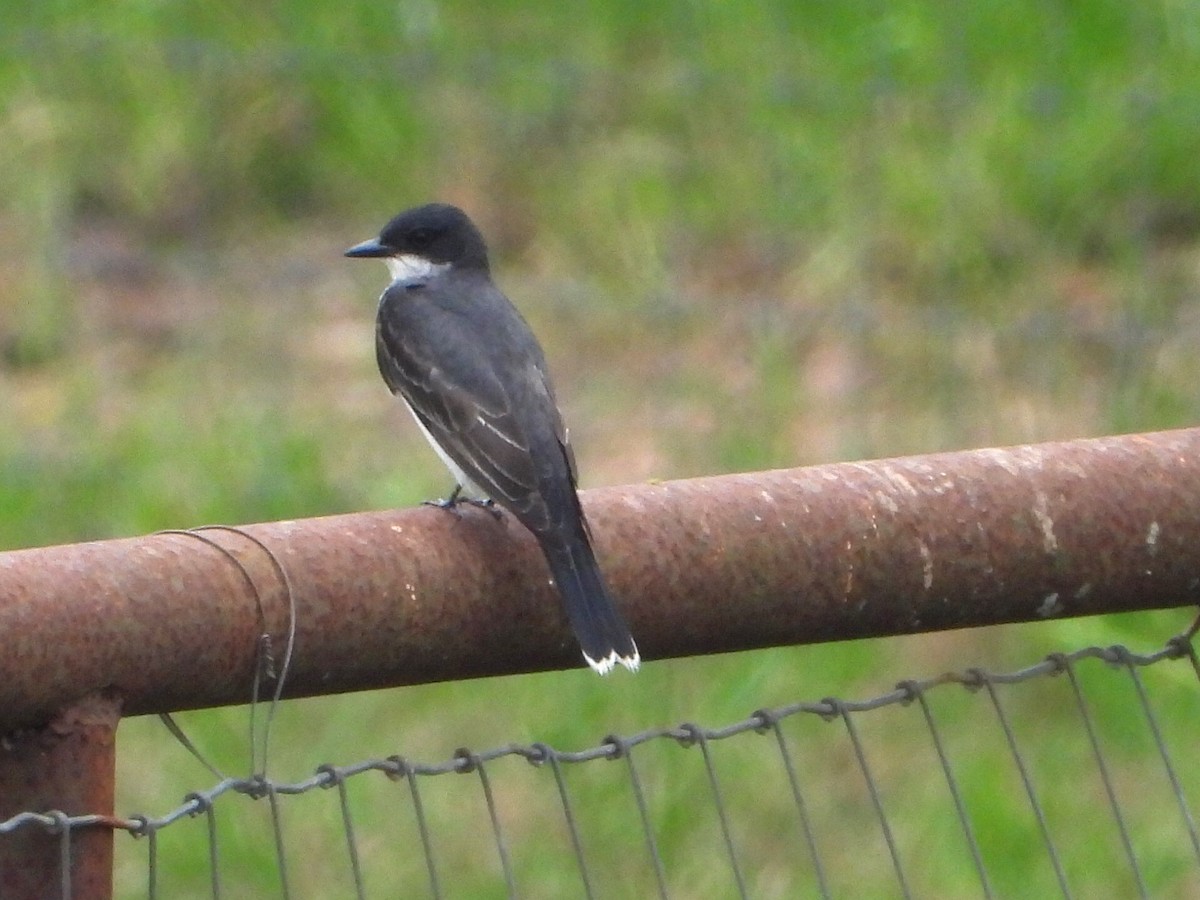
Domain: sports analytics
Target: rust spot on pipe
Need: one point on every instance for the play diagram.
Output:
(705, 565)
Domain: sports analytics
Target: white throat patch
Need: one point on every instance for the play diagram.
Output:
(408, 267)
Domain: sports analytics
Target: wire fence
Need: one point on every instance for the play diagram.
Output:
(760, 807)
(1064, 778)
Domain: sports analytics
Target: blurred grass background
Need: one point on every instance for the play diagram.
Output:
(749, 235)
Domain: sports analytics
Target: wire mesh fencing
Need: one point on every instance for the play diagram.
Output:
(944, 786)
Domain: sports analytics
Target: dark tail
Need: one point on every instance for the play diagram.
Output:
(599, 628)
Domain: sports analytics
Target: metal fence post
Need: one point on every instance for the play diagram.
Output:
(67, 766)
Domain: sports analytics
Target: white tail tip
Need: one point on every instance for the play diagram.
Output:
(606, 665)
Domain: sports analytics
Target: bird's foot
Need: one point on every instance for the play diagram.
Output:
(447, 503)
(487, 505)
(456, 498)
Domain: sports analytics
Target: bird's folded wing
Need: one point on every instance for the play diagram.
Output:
(468, 409)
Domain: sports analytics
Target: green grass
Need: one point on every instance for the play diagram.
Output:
(749, 235)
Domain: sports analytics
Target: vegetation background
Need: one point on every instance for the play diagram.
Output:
(748, 234)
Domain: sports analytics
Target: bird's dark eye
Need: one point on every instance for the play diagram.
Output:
(421, 236)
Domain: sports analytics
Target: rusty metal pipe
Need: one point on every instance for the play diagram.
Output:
(68, 765)
(706, 565)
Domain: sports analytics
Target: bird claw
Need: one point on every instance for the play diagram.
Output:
(488, 505)
(455, 499)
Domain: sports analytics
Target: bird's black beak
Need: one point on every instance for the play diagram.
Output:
(369, 250)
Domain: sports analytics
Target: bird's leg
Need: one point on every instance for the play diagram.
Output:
(448, 502)
(451, 503)
(487, 504)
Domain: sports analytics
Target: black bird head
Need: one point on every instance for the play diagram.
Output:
(435, 234)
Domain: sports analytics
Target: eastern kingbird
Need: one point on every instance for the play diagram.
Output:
(460, 356)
